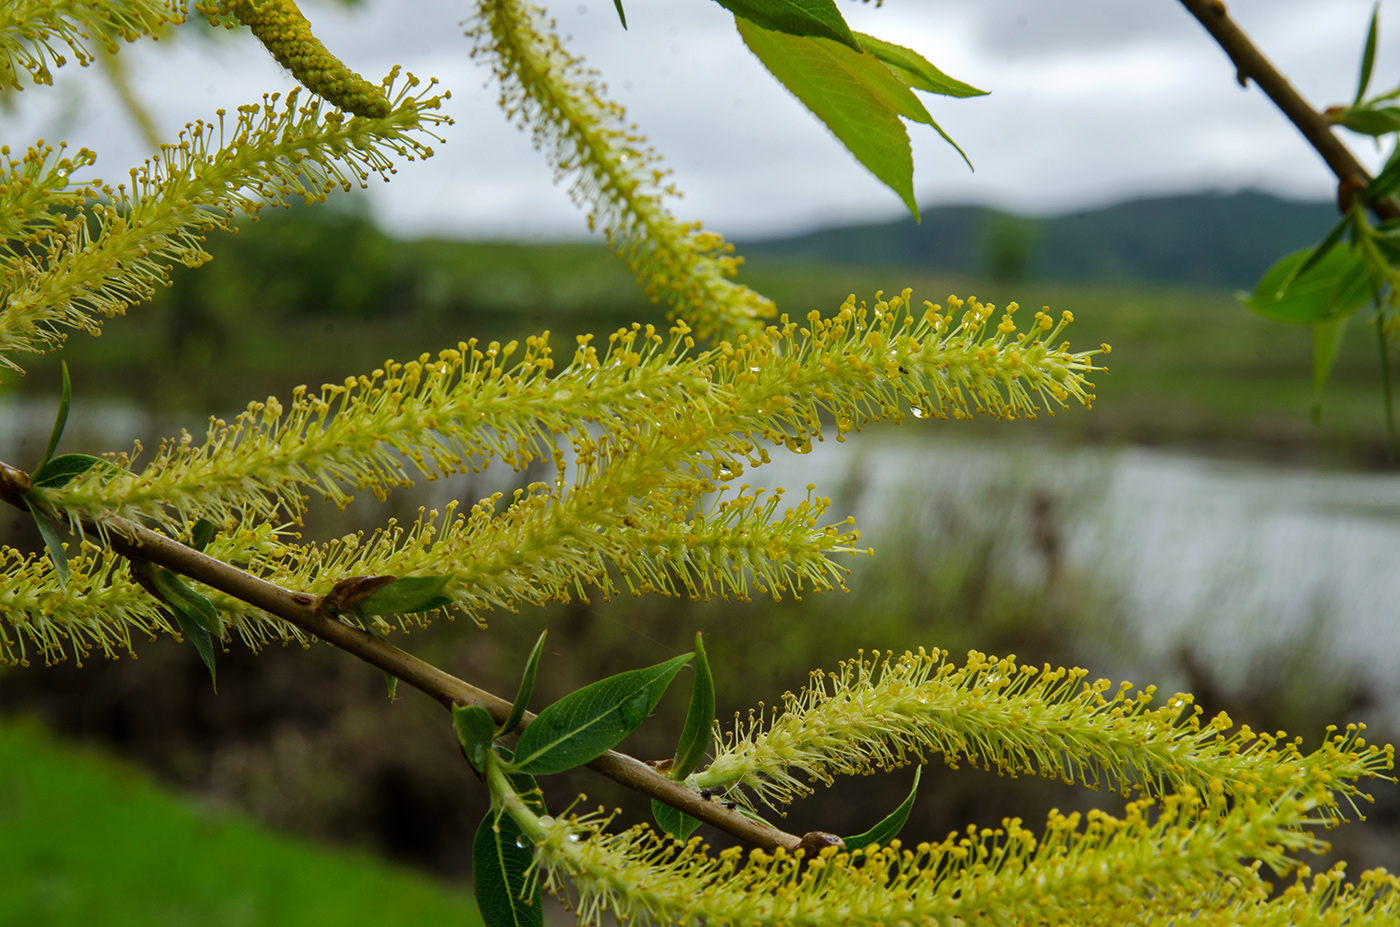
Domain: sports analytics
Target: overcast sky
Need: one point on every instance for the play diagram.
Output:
(1092, 101)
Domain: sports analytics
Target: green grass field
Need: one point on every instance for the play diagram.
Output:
(87, 841)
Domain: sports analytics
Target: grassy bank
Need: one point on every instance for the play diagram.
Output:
(86, 840)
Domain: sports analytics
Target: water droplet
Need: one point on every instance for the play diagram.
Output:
(522, 841)
(918, 412)
(573, 838)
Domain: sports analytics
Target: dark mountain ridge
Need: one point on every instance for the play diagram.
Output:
(1207, 239)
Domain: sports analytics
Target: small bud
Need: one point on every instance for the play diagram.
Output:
(813, 842)
(345, 594)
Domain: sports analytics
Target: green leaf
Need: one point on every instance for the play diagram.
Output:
(889, 828)
(1326, 343)
(177, 594)
(1335, 286)
(475, 731)
(527, 686)
(584, 725)
(699, 720)
(673, 821)
(914, 69)
(53, 545)
(810, 18)
(1387, 239)
(1384, 183)
(1368, 56)
(1369, 120)
(507, 893)
(1388, 397)
(351, 591)
(404, 595)
(1322, 248)
(858, 98)
(65, 399)
(62, 469)
(198, 619)
(200, 637)
(201, 534)
(620, 15)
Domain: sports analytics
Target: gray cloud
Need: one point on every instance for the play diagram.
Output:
(1038, 29)
(1092, 100)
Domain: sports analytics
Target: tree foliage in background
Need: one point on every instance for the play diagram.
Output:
(646, 436)
(1354, 270)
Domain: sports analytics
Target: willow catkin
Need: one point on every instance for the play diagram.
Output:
(284, 31)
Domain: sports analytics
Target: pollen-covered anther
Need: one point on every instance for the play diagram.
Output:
(286, 34)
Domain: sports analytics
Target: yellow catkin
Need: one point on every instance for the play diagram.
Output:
(36, 36)
(286, 34)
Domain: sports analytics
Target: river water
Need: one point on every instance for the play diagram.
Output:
(1235, 560)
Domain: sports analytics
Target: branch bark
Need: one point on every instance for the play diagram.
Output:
(136, 542)
(1250, 64)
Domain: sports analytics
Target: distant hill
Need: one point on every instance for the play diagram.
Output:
(1211, 239)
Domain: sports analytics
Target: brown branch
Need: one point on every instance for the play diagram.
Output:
(303, 610)
(1250, 64)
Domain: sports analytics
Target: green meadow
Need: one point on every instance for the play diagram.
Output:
(86, 840)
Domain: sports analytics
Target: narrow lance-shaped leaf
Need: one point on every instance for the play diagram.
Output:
(914, 69)
(198, 620)
(1319, 251)
(694, 741)
(1374, 121)
(1327, 339)
(507, 892)
(1386, 238)
(1337, 285)
(201, 534)
(527, 686)
(200, 638)
(699, 720)
(1368, 56)
(620, 14)
(475, 732)
(177, 594)
(890, 827)
(347, 593)
(405, 595)
(1383, 184)
(61, 470)
(815, 18)
(53, 545)
(65, 399)
(1388, 394)
(673, 821)
(586, 724)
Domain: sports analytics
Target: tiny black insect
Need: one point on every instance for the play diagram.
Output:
(731, 805)
(707, 794)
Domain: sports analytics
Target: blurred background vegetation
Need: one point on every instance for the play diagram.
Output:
(304, 742)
